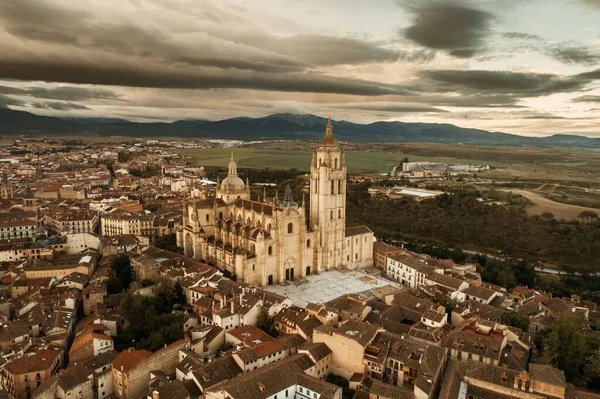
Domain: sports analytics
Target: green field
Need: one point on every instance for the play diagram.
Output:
(367, 162)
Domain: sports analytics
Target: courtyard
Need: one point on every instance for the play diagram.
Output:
(328, 285)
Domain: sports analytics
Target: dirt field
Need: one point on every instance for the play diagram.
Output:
(542, 204)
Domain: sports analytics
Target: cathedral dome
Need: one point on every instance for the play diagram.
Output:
(233, 183)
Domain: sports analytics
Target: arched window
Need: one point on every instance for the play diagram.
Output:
(270, 250)
(336, 163)
(332, 187)
(339, 213)
(207, 217)
(331, 215)
(253, 267)
(307, 243)
(339, 186)
(220, 215)
(290, 228)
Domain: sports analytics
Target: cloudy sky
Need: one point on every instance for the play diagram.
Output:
(529, 67)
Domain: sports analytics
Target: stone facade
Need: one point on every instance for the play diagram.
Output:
(273, 241)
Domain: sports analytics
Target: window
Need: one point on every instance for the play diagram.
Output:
(207, 217)
(336, 163)
(331, 215)
(307, 243)
(339, 186)
(332, 187)
(253, 267)
(290, 228)
(270, 250)
(340, 215)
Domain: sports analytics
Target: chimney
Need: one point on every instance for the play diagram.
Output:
(232, 303)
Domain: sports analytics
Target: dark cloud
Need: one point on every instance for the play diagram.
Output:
(112, 73)
(469, 100)
(582, 55)
(595, 74)
(65, 93)
(255, 51)
(42, 22)
(6, 101)
(459, 29)
(521, 35)
(322, 50)
(389, 107)
(59, 106)
(522, 84)
(586, 99)
(544, 116)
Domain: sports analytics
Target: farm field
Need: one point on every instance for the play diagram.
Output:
(543, 204)
(359, 161)
(508, 163)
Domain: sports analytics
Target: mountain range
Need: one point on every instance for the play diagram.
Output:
(275, 127)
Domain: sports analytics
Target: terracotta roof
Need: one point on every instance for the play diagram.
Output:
(256, 339)
(85, 338)
(41, 360)
(128, 359)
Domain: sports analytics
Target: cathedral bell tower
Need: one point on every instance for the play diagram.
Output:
(328, 199)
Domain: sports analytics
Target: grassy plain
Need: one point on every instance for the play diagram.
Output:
(563, 182)
(360, 160)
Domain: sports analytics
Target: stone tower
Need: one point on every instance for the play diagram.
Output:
(328, 200)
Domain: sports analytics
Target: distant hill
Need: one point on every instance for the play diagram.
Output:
(275, 127)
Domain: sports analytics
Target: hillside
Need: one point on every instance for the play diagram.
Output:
(273, 127)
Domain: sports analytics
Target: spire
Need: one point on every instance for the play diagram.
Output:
(288, 194)
(329, 138)
(264, 193)
(232, 167)
(287, 199)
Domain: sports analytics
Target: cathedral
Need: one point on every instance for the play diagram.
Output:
(270, 241)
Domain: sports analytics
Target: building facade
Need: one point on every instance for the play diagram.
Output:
(273, 240)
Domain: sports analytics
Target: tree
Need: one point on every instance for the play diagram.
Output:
(565, 347)
(168, 293)
(267, 324)
(114, 285)
(515, 319)
(121, 267)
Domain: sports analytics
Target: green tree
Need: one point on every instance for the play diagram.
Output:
(565, 347)
(121, 267)
(515, 319)
(267, 324)
(114, 285)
